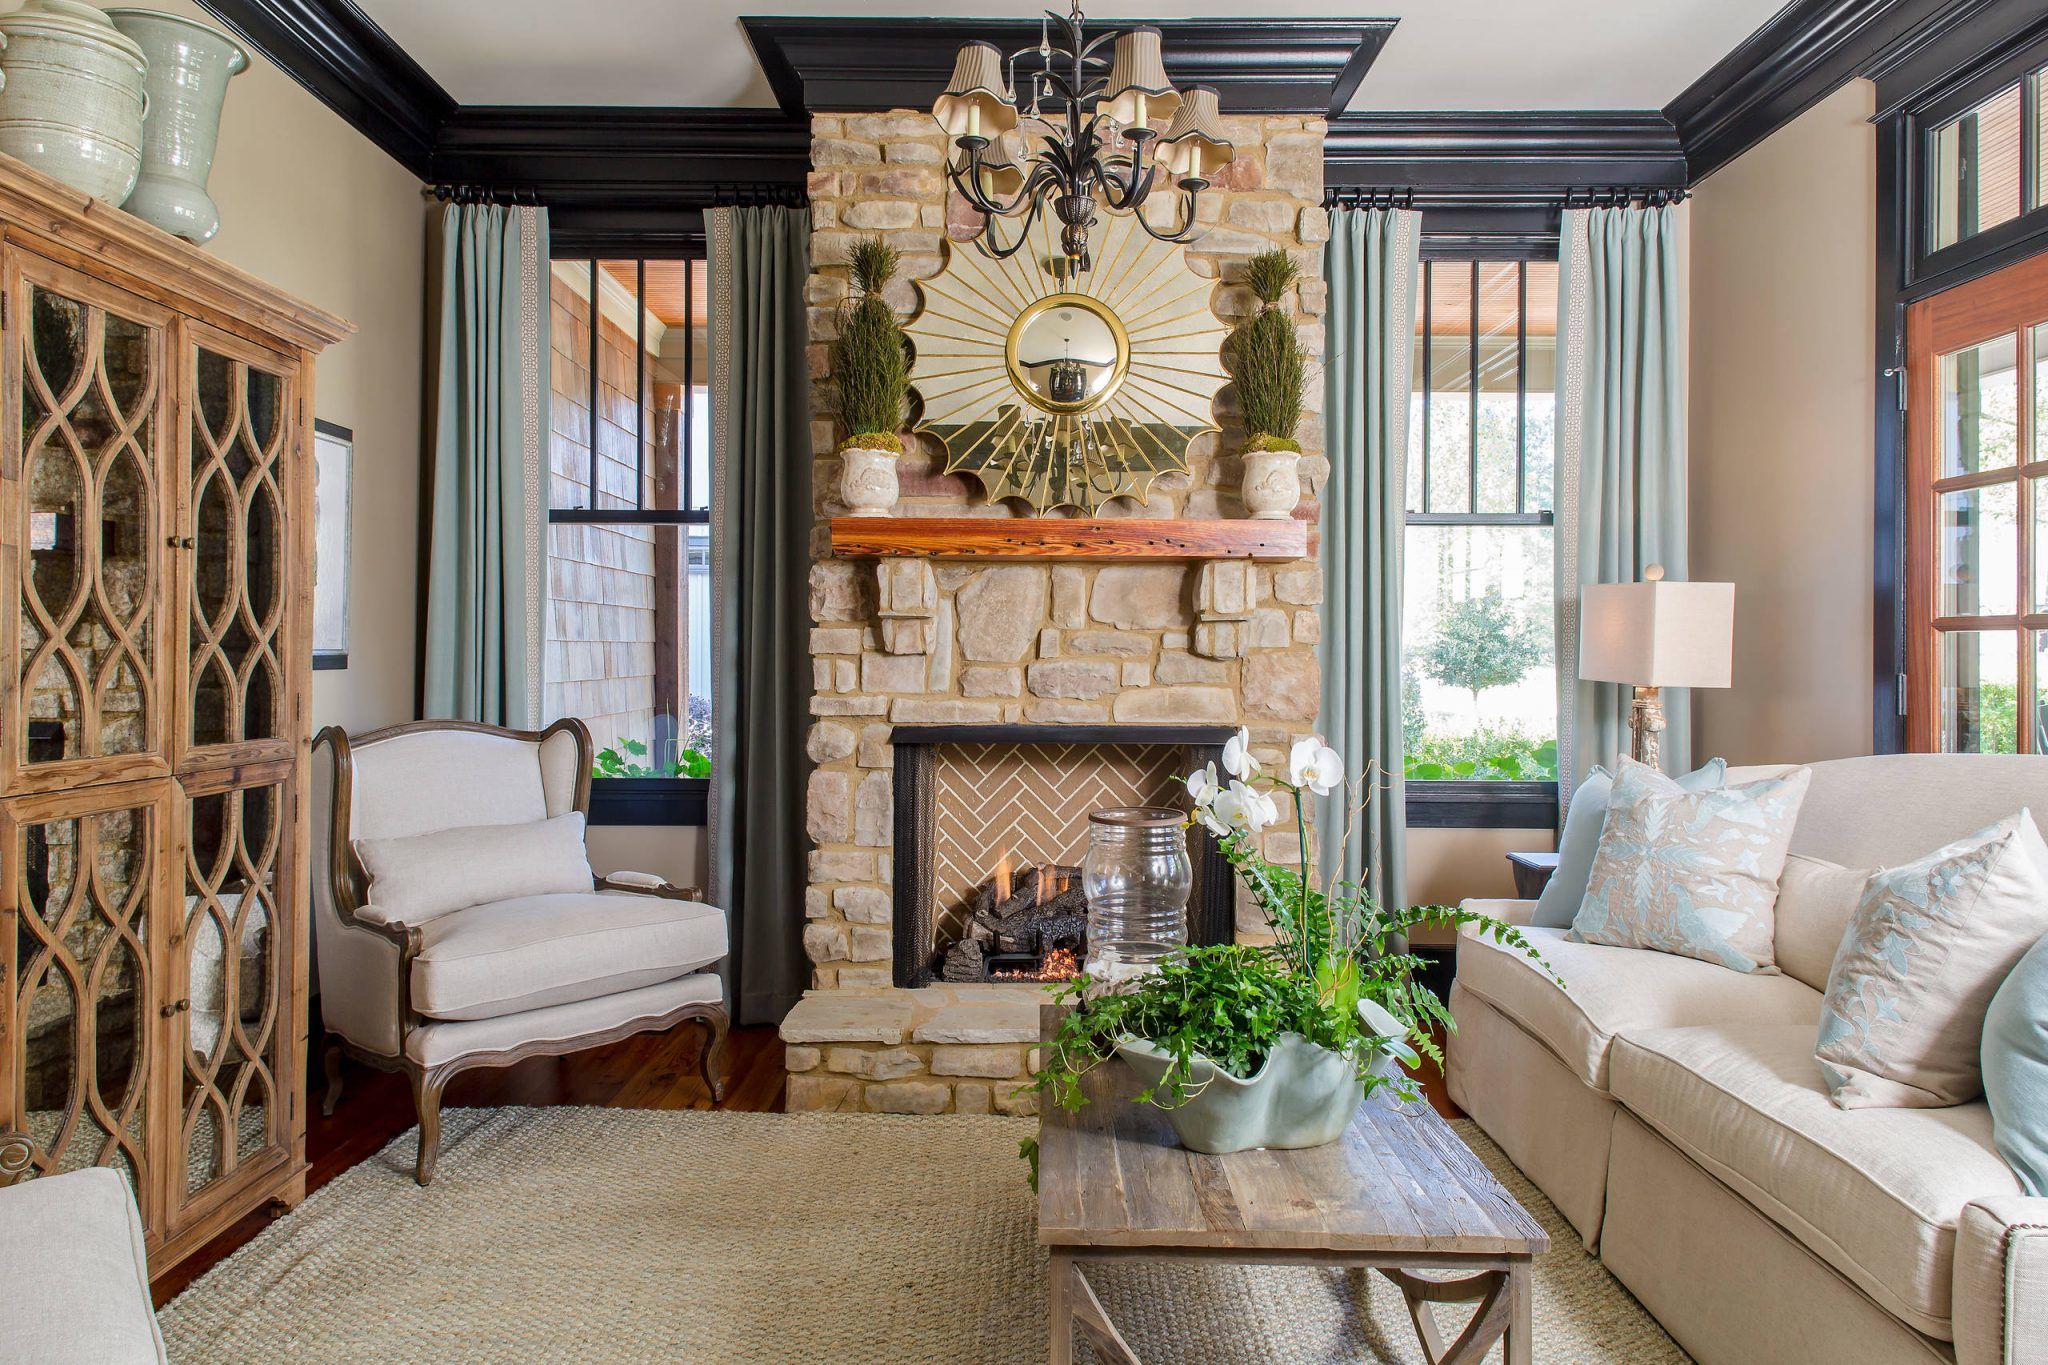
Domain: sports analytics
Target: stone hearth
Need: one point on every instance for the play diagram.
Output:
(1075, 643)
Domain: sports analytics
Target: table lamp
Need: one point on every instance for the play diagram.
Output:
(1656, 634)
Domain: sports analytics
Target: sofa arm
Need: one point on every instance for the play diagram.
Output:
(2000, 1312)
(1518, 913)
(647, 884)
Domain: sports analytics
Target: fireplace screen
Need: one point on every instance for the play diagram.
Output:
(991, 826)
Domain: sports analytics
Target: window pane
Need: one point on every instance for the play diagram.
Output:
(676, 368)
(2036, 85)
(628, 651)
(1450, 387)
(1980, 407)
(1539, 368)
(1974, 170)
(2040, 703)
(1979, 689)
(569, 342)
(1500, 376)
(1979, 537)
(1479, 689)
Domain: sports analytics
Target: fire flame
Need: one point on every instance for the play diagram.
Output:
(1059, 964)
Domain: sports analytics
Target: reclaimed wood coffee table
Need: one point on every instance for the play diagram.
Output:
(1398, 1194)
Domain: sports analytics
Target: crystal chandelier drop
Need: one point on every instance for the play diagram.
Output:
(1098, 134)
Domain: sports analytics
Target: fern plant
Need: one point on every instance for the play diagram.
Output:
(869, 359)
(1267, 360)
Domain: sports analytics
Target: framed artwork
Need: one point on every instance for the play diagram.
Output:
(333, 456)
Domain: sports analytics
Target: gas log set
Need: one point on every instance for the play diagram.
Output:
(1030, 927)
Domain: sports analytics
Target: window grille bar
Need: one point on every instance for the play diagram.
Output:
(2029, 149)
(1472, 401)
(595, 306)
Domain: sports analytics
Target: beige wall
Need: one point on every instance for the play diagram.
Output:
(312, 206)
(1782, 391)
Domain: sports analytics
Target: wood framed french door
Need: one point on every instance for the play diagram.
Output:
(1977, 515)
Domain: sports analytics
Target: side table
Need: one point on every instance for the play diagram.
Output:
(1532, 873)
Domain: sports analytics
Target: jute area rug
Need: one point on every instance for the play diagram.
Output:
(608, 1234)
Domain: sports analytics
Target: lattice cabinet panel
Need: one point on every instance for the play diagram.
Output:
(88, 366)
(155, 721)
(241, 422)
(85, 889)
(232, 1059)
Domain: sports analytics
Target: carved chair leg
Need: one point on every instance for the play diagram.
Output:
(426, 1099)
(332, 1062)
(712, 1063)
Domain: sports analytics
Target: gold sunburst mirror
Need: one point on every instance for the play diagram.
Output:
(1067, 390)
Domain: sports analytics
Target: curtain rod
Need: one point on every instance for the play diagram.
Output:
(1404, 197)
(735, 194)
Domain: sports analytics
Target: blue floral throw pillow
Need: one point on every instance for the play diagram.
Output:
(2016, 1069)
(1692, 873)
(1902, 1025)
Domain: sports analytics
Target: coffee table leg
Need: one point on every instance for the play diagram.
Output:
(1516, 1346)
(1094, 1322)
(1061, 1278)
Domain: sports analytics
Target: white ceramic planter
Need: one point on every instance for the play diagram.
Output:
(72, 105)
(868, 483)
(1272, 484)
(190, 65)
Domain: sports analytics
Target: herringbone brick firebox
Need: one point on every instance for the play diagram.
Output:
(969, 797)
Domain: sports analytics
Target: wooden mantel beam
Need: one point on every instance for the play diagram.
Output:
(1123, 538)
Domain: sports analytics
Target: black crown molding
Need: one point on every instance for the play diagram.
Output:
(353, 67)
(860, 65)
(1801, 54)
(1445, 158)
(611, 175)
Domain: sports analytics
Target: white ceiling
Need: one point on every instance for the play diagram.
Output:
(1445, 54)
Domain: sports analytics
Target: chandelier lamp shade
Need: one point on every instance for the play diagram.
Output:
(1099, 129)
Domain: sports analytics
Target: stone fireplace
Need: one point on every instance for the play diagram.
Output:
(951, 661)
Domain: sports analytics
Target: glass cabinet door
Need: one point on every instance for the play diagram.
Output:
(231, 1053)
(81, 892)
(240, 467)
(88, 367)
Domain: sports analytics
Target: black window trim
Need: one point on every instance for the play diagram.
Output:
(1470, 803)
(640, 801)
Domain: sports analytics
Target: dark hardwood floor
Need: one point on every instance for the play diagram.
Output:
(652, 1071)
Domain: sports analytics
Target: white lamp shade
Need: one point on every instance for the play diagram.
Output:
(1657, 633)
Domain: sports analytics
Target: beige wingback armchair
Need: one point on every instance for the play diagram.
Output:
(493, 983)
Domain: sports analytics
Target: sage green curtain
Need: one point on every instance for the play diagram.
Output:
(487, 545)
(1621, 495)
(760, 567)
(1372, 263)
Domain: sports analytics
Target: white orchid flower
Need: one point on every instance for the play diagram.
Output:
(1237, 755)
(1315, 765)
(1203, 786)
(1217, 813)
(1244, 810)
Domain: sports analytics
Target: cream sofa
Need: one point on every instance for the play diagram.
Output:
(1673, 1111)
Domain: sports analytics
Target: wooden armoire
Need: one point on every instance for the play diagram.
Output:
(156, 556)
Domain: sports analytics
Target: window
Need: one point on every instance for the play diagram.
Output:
(1978, 170)
(1479, 694)
(629, 614)
(1977, 567)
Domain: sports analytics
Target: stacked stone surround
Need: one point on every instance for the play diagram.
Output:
(915, 641)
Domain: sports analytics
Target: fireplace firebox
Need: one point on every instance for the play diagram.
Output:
(990, 827)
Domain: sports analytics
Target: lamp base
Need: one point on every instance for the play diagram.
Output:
(1646, 723)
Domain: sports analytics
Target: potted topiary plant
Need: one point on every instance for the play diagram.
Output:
(1275, 1045)
(1270, 367)
(873, 371)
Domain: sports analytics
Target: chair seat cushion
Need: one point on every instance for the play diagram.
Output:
(1876, 1193)
(533, 951)
(1612, 991)
(77, 1285)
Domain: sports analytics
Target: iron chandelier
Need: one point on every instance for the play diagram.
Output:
(1099, 145)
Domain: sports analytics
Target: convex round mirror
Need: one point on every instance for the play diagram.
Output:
(1067, 353)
